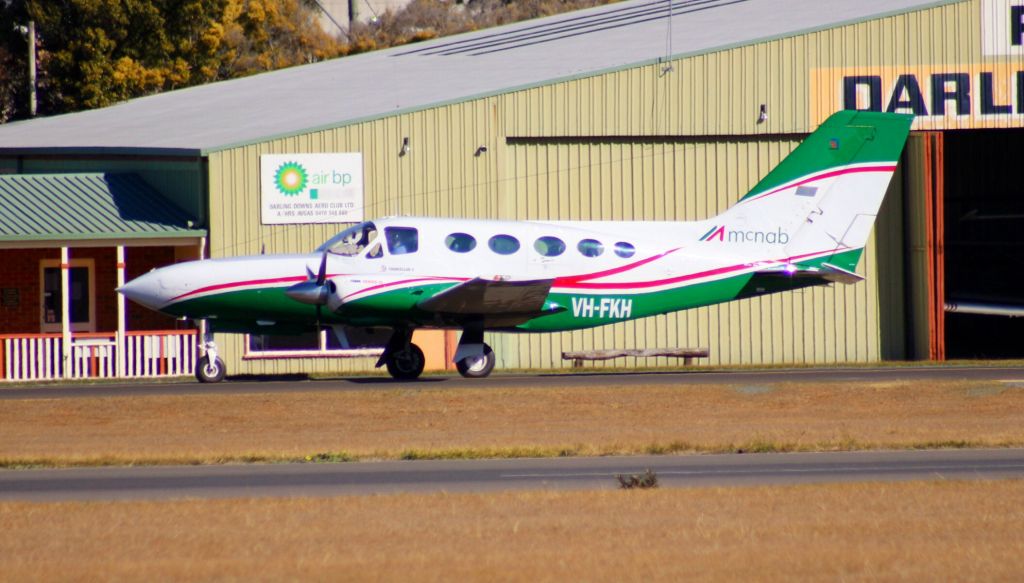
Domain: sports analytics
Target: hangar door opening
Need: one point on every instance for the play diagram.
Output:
(983, 192)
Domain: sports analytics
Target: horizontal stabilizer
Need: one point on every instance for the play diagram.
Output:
(825, 271)
(490, 297)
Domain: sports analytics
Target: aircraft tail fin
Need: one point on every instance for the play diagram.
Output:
(819, 204)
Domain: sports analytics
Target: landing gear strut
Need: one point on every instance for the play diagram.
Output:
(404, 360)
(210, 368)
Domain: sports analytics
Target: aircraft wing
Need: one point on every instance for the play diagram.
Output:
(506, 300)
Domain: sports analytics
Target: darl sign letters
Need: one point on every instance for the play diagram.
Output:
(989, 94)
(311, 188)
(942, 97)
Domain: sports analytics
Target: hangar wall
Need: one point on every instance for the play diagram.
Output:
(644, 143)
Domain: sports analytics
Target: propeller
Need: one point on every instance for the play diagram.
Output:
(314, 290)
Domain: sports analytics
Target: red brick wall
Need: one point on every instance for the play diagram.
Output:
(19, 269)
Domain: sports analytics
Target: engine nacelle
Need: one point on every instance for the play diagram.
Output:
(375, 292)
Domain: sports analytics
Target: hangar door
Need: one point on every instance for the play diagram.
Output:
(984, 243)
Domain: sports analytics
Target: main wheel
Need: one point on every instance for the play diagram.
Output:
(406, 365)
(207, 372)
(477, 367)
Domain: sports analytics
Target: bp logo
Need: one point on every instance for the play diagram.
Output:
(290, 178)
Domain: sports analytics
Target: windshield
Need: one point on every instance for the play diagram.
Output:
(351, 241)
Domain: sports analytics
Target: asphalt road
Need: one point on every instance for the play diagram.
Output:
(233, 481)
(581, 379)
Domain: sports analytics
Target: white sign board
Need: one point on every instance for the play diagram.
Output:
(1002, 28)
(311, 188)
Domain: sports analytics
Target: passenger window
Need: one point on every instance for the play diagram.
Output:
(402, 240)
(549, 246)
(624, 250)
(503, 244)
(460, 242)
(590, 247)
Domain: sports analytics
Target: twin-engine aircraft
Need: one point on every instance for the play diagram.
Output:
(806, 223)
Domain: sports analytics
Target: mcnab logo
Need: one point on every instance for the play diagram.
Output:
(722, 234)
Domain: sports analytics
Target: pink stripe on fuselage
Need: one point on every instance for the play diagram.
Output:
(681, 278)
(233, 284)
(830, 174)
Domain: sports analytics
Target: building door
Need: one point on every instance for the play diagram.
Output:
(81, 299)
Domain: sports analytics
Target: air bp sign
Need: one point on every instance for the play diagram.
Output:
(311, 188)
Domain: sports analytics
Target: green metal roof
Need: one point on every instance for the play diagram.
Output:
(75, 207)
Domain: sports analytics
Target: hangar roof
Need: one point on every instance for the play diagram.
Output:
(65, 207)
(334, 93)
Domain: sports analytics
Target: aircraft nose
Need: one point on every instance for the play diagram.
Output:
(145, 290)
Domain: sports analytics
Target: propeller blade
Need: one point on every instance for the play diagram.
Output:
(321, 275)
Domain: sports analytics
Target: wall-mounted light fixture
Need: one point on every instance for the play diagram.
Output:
(763, 115)
(405, 147)
(480, 150)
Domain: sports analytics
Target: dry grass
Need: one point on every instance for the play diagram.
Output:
(429, 422)
(924, 531)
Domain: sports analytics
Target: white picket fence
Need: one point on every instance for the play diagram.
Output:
(30, 357)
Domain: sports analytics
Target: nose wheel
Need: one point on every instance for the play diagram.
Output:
(477, 366)
(210, 371)
(210, 368)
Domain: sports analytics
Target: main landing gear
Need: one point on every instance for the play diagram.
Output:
(474, 358)
(404, 360)
(477, 366)
(210, 368)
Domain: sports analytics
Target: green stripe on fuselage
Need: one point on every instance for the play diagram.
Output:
(586, 310)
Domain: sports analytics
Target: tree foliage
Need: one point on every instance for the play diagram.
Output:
(94, 53)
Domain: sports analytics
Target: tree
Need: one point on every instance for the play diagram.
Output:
(93, 53)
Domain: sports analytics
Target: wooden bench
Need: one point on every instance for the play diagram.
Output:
(687, 354)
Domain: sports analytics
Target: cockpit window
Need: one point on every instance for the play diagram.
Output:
(351, 241)
(402, 240)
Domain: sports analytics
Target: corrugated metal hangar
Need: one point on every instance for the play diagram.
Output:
(640, 110)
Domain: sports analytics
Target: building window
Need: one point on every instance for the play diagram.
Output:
(82, 298)
(355, 342)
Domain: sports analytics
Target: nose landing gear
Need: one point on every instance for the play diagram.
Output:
(210, 368)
